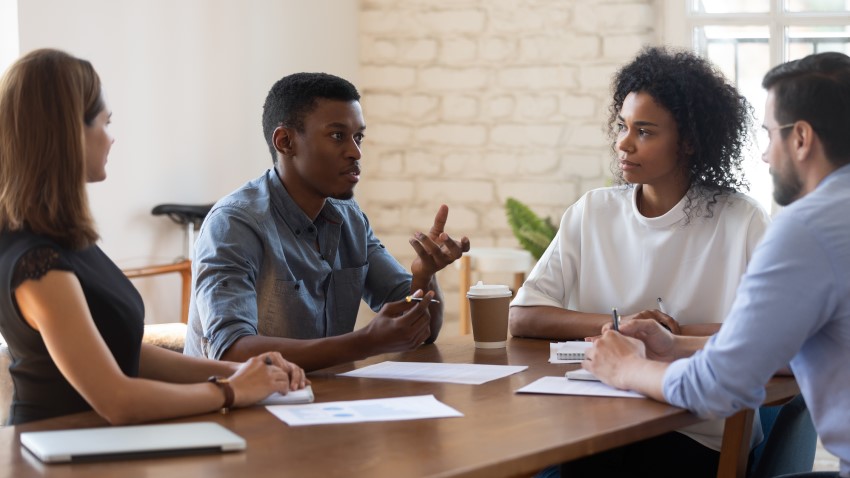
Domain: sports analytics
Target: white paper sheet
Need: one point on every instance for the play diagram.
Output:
(376, 410)
(466, 373)
(305, 395)
(562, 386)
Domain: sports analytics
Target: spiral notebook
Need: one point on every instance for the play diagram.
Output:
(572, 350)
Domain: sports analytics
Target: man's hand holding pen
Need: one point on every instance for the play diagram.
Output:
(659, 341)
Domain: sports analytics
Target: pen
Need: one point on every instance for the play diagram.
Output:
(615, 318)
(661, 306)
(663, 311)
(410, 298)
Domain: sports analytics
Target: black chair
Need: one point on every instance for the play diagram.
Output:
(172, 336)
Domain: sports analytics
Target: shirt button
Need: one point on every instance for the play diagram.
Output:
(297, 286)
(311, 229)
(297, 232)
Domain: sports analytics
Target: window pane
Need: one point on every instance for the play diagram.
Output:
(817, 5)
(742, 53)
(730, 6)
(802, 41)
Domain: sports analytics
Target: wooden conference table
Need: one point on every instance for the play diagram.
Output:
(502, 434)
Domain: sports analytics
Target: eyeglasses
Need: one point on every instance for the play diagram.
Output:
(780, 127)
(763, 135)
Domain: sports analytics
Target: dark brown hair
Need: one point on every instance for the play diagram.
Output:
(46, 100)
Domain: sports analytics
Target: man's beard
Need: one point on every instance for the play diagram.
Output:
(344, 196)
(786, 187)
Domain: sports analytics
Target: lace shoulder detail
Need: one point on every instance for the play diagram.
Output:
(35, 263)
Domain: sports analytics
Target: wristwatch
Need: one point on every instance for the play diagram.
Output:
(224, 384)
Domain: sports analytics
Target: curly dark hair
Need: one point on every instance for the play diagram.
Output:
(293, 97)
(713, 119)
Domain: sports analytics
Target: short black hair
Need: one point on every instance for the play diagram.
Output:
(815, 89)
(712, 117)
(293, 97)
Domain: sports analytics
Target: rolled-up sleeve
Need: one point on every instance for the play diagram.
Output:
(227, 256)
(386, 280)
(782, 300)
(552, 280)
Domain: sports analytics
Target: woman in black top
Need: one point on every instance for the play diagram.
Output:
(72, 320)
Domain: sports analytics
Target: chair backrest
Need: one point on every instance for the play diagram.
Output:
(790, 440)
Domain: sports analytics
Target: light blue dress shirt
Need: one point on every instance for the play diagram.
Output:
(261, 266)
(792, 306)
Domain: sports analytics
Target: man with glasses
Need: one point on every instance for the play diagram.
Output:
(793, 304)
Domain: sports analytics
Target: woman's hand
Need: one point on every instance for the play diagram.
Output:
(665, 320)
(263, 375)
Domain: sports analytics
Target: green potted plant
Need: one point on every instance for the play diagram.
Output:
(533, 233)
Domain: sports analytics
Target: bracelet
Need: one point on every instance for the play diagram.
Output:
(224, 384)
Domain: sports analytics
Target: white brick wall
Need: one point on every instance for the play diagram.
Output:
(471, 101)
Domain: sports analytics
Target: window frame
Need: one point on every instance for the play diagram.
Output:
(680, 21)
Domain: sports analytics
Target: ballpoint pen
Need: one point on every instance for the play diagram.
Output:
(410, 298)
(615, 318)
(663, 311)
(661, 306)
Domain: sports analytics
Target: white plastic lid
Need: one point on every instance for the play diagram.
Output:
(481, 290)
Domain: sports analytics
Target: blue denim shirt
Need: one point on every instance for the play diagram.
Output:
(261, 266)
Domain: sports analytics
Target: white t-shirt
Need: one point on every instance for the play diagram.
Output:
(606, 254)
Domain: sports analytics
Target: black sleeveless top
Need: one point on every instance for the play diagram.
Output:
(40, 389)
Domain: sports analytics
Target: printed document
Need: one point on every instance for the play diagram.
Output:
(376, 410)
(562, 386)
(466, 373)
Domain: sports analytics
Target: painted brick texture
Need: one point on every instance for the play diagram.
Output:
(469, 102)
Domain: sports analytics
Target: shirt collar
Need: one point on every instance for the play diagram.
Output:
(666, 220)
(290, 212)
(833, 176)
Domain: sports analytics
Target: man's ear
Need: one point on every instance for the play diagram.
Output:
(802, 138)
(283, 141)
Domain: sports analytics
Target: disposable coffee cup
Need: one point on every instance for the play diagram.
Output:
(488, 307)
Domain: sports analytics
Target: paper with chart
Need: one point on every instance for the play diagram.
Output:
(562, 386)
(466, 373)
(354, 411)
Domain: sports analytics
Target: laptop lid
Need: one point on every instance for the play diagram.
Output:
(110, 443)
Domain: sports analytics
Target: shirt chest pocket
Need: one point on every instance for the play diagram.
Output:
(290, 311)
(346, 290)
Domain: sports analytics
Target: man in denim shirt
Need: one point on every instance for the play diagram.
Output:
(282, 263)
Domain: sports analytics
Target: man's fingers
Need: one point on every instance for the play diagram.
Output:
(440, 220)
(454, 248)
(464, 244)
(429, 246)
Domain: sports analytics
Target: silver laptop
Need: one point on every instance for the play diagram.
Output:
(110, 443)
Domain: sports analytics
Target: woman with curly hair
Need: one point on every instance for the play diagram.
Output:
(677, 227)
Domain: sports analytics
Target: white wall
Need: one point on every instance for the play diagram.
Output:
(470, 102)
(8, 32)
(186, 81)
